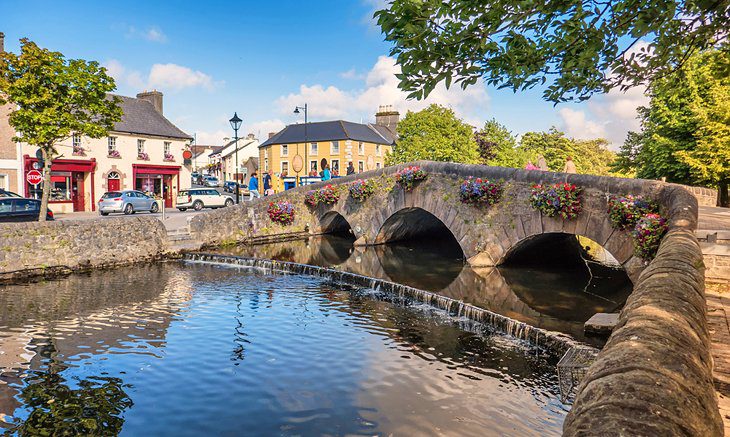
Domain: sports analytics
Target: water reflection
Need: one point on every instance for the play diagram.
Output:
(197, 349)
(557, 300)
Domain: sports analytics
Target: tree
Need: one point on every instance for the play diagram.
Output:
(55, 99)
(685, 130)
(497, 146)
(570, 45)
(434, 133)
(590, 156)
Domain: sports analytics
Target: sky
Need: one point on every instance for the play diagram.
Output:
(262, 59)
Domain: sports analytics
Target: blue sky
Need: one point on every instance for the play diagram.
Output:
(263, 58)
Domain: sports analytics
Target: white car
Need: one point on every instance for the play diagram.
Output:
(199, 198)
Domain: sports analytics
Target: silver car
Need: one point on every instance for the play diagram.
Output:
(127, 201)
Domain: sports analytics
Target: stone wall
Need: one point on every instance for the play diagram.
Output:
(28, 249)
(654, 376)
(704, 196)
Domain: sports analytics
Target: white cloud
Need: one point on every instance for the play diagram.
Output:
(576, 125)
(214, 138)
(350, 74)
(163, 76)
(380, 87)
(262, 129)
(151, 33)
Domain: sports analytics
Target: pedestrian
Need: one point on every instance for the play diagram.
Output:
(350, 168)
(541, 163)
(326, 174)
(569, 165)
(267, 183)
(530, 166)
(253, 187)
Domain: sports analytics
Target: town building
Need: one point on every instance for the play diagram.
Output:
(144, 151)
(332, 143)
(247, 148)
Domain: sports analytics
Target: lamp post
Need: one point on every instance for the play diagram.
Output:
(306, 162)
(236, 124)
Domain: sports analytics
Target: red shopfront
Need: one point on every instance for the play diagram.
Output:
(68, 182)
(159, 180)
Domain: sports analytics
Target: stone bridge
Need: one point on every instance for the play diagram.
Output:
(487, 236)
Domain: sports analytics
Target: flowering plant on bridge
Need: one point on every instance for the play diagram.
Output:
(561, 199)
(480, 191)
(360, 190)
(328, 195)
(625, 211)
(408, 177)
(648, 233)
(281, 212)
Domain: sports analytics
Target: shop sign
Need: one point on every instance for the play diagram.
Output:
(34, 177)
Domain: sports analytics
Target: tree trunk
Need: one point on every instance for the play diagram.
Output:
(723, 195)
(46, 182)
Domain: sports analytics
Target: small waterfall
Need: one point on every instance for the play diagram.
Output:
(469, 317)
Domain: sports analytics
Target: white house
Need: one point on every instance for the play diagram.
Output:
(247, 148)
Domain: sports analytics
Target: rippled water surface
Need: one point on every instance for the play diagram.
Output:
(199, 349)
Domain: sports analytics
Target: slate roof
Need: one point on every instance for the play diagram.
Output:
(141, 117)
(333, 130)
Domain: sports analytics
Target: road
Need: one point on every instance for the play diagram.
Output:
(174, 219)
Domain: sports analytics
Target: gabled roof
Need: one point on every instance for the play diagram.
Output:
(331, 131)
(216, 149)
(140, 117)
(230, 148)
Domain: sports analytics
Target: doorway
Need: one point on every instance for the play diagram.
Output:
(77, 191)
(113, 181)
(167, 190)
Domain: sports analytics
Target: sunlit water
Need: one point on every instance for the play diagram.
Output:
(197, 349)
(551, 297)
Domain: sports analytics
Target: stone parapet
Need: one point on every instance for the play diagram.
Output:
(704, 196)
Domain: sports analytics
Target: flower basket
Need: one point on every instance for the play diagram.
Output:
(625, 211)
(409, 176)
(78, 151)
(561, 199)
(360, 190)
(647, 234)
(143, 156)
(281, 212)
(169, 157)
(327, 195)
(480, 191)
(114, 154)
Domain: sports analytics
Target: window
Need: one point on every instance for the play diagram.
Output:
(335, 148)
(377, 150)
(313, 149)
(266, 164)
(377, 165)
(113, 175)
(167, 147)
(266, 153)
(360, 166)
(76, 139)
(284, 168)
(111, 145)
(3, 182)
(313, 168)
(24, 205)
(360, 148)
(6, 205)
(140, 146)
(335, 167)
(284, 150)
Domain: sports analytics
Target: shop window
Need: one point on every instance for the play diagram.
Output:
(313, 149)
(360, 166)
(60, 187)
(284, 150)
(335, 148)
(360, 148)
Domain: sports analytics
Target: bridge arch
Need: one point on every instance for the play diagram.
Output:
(334, 222)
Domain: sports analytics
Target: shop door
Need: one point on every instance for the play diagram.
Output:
(77, 191)
(167, 190)
(113, 184)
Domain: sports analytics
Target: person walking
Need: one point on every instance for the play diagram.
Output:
(326, 175)
(569, 165)
(267, 183)
(253, 187)
(350, 168)
(541, 163)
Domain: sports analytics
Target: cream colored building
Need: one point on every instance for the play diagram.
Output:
(247, 148)
(144, 151)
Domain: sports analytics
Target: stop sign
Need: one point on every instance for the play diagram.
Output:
(34, 177)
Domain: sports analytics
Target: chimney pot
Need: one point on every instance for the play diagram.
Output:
(154, 97)
(271, 134)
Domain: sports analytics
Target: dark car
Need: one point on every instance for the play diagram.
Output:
(6, 193)
(18, 209)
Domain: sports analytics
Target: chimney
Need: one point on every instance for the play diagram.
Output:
(154, 97)
(387, 116)
(271, 134)
(2, 42)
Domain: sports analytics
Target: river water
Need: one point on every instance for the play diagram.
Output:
(185, 348)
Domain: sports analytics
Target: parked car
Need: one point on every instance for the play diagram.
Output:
(211, 181)
(199, 198)
(19, 209)
(6, 193)
(127, 201)
(194, 177)
(230, 186)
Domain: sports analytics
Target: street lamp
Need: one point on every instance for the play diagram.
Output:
(306, 163)
(236, 124)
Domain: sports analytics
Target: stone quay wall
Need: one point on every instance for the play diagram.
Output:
(654, 375)
(32, 249)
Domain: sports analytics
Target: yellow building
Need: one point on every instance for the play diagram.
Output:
(331, 143)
